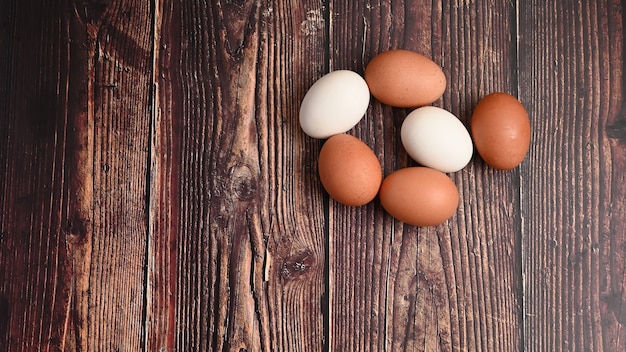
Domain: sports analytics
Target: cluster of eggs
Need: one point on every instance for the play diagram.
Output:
(436, 139)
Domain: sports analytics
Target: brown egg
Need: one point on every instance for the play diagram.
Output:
(404, 78)
(349, 170)
(501, 130)
(419, 196)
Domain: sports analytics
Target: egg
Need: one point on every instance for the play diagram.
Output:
(404, 78)
(436, 138)
(334, 104)
(419, 196)
(501, 130)
(349, 170)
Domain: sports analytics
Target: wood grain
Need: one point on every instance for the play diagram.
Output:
(34, 295)
(76, 159)
(242, 242)
(456, 286)
(571, 64)
(121, 107)
(158, 194)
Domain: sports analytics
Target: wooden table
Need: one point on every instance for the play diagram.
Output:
(158, 194)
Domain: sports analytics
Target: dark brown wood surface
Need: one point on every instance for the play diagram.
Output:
(573, 185)
(158, 194)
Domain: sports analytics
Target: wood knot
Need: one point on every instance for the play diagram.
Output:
(243, 185)
(77, 229)
(617, 130)
(297, 265)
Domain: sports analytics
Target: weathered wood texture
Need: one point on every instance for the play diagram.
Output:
(243, 236)
(157, 193)
(454, 286)
(75, 132)
(573, 190)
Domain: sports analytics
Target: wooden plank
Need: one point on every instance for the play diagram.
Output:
(237, 219)
(74, 164)
(34, 265)
(122, 79)
(451, 287)
(574, 212)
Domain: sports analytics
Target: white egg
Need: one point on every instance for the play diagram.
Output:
(334, 104)
(436, 138)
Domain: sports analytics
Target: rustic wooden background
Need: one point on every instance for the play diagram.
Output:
(157, 192)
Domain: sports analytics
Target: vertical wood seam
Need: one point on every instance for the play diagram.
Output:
(327, 300)
(619, 126)
(157, 6)
(520, 194)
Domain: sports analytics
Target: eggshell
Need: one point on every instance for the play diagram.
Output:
(419, 196)
(435, 138)
(404, 78)
(349, 170)
(501, 130)
(334, 104)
